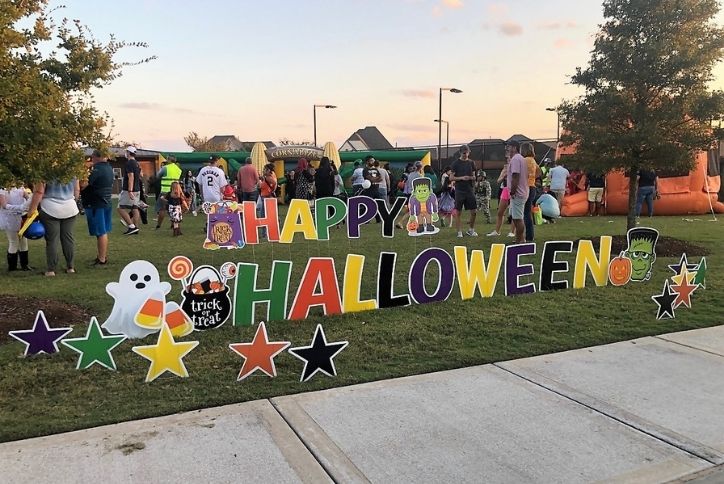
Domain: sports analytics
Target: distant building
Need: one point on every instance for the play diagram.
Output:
(366, 139)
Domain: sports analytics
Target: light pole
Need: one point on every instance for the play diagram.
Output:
(326, 106)
(447, 138)
(558, 122)
(439, 116)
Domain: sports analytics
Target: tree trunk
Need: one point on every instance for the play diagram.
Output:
(632, 189)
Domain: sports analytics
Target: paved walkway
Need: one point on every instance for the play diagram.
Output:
(647, 410)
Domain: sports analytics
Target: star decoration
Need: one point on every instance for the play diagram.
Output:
(42, 338)
(95, 347)
(700, 278)
(665, 301)
(166, 355)
(684, 290)
(682, 276)
(318, 356)
(683, 262)
(259, 354)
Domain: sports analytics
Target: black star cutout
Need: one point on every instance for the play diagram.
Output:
(683, 262)
(665, 300)
(318, 356)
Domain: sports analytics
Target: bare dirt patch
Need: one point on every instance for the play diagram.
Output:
(18, 312)
(665, 246)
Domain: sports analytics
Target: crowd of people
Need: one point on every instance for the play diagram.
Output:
(528, 191)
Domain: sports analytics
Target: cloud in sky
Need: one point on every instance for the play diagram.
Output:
(563, 43)
(510, 28)
(453, 3)
(424, 93)
(556, 25)
(156, 107)
(497, 9)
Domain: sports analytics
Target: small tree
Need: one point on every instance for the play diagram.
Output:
(647, 102)
(46, 109)
(202, 143)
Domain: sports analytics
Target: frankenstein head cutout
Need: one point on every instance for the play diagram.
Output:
(642, 252)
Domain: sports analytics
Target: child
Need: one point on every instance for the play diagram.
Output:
(13, 203)
(177, 205)
(446, 205)
(483, 193)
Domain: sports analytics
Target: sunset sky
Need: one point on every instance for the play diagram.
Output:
(254, 69)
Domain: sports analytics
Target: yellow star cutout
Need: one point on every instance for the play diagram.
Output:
(683, 275)
(166, 355)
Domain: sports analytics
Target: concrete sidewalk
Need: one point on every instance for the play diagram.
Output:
(648, 410)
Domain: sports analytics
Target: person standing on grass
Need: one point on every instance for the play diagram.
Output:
(169, 173)
(595, 184)
(464, 177)
(14, 203)
(212, 180)
(527, 151)
(483, 194)
(96, 199)
(190, 188)
(559, 178)
(648, 182)
(267, 189)
(130, 197)
(414, 172)
(247, 179)
(58, 207)
(384, 186)
(518, 185)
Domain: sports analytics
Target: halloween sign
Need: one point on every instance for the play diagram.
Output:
(423, 209)
(140, 307)
(204, 291)
(223, 226)
(679, 289)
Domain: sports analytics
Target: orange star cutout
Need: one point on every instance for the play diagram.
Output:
(684, 288)
(259, 354)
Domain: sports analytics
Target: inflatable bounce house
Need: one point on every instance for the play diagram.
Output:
(693, 194)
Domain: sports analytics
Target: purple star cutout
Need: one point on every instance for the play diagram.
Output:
(683, 262)
(40, 339)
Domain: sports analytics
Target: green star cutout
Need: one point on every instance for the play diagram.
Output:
(700, 277)
(94, 348)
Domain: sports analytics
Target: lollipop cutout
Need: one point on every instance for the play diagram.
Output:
(179, 268)
(228, 271)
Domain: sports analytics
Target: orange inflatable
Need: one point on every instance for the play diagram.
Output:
(681, 195)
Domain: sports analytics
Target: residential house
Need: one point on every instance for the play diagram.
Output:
(366, 139)
(232, 143)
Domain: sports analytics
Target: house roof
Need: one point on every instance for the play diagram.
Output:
(121, 152)
(520, 138)
(235, 144)
(371, 137)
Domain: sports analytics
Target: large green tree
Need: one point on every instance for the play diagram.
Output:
(648, 99)
(47, 73)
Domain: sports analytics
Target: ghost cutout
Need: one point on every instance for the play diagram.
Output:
(140, 301)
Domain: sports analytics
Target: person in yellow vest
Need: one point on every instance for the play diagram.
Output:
(169, 173)
(546, 174)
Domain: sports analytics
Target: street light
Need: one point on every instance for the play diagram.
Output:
(447, 136)
(558, 122)
(325, 106)
(439, 116)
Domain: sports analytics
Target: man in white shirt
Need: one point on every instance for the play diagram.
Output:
(212, 181)
(559, 177)
(357, 177)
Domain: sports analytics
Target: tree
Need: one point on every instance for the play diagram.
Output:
(291, 142)
(46, 109)
(647, 102)
(202, 143)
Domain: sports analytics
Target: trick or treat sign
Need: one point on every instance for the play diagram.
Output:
(205, 294)
(223, 227)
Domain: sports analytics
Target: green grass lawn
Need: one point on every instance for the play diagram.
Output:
(45, 394)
